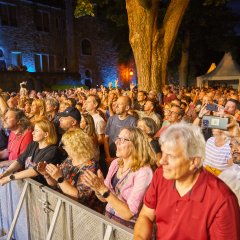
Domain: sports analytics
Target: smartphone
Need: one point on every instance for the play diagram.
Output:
(212, 107)
(215, 122)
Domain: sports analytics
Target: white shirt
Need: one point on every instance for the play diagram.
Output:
(231, 176)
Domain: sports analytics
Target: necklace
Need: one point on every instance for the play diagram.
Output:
(121, 172)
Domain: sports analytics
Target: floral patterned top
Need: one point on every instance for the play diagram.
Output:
(74, 175)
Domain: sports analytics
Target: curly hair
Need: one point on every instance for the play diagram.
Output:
(142, 153)
(80, 143)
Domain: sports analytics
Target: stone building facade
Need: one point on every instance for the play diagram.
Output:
(45, 37)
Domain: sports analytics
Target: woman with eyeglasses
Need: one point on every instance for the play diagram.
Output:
(128, 177)
(68, 177)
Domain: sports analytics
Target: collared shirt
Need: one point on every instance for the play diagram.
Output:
(209, 211)
(130, 188)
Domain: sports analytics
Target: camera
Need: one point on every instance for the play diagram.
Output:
(215, 122)
(212, 107)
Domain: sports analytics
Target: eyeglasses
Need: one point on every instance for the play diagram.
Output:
(122, 140)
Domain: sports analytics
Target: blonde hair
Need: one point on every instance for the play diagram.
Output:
(80, 143)
(41, 106)
(49, 128)
(142, 153)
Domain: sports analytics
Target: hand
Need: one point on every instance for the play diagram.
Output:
(95, 182)
(110, 85)
(131, 86)
(233, 127)
(54, 171)
(203, 111)
(116, 82)
(4, 181)
(41, 168)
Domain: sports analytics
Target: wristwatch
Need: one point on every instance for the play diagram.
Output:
(60, 180)
(106, 194)
(12, 177)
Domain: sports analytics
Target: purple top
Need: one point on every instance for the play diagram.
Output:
(130, 188)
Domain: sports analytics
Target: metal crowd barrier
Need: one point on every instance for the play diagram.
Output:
(31, 211)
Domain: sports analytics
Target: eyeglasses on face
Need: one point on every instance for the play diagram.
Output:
(122, 140)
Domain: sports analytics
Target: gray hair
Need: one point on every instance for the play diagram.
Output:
(189, 135)
(53, 102)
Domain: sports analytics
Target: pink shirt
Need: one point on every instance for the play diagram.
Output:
(17, 144)
(130, 188)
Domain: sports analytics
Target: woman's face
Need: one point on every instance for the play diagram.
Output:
(34, 108)
(38, 134)
(124, 144)
(83, 123)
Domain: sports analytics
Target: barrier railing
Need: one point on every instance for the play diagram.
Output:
(31, 211)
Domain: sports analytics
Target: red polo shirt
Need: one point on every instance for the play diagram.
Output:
(17, 144)
(209, 211)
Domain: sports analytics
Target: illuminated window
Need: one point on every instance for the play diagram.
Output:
(8, 15)
(16, 58)
(42, 21)
(1, 53)
(44, 63)
(86, 47)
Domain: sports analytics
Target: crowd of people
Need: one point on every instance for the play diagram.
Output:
(142, 159)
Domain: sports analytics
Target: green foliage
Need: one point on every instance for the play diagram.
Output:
(83, 8)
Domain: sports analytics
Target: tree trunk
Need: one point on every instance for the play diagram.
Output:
(152, 46)
(184, 64)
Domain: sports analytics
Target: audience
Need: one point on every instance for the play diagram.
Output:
(80, 115)
(43, 148)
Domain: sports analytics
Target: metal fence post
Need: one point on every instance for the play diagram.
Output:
(19, 206)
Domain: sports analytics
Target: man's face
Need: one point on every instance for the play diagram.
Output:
(174, 115)
(176, 166)
(141, 97)
(67, 122)
(121, 106)
(49, 107)
(90, 103)
(9, 120)
(235, 150)
(230, 108)
(148, 106)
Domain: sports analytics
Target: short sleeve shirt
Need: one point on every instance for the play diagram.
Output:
(209, 211)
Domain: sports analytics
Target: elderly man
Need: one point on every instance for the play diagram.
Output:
(186, 201)
(231, 175)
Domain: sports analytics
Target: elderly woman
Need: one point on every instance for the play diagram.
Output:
(128, 177)
(42, 148)
(69, 175)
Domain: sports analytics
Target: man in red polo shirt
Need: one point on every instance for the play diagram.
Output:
(186, 201)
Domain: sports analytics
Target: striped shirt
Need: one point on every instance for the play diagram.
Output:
(217, 157)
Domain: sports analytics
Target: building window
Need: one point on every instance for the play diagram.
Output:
(1, 53)
(16, 58)
(8, 15)
(42, 21)
(44, 63)
(86, 47)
